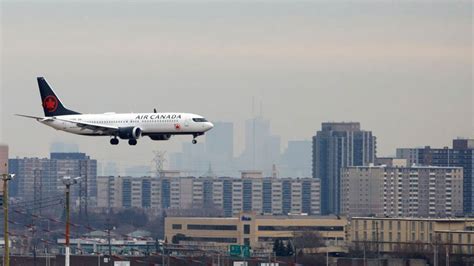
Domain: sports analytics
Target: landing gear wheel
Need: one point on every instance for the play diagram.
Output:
(195, 141)
(132, 142)
(114, 141)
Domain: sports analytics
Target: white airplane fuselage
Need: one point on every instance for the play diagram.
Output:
(149, 123)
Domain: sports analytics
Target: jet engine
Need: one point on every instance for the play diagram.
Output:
(129, 132)
(160, 136)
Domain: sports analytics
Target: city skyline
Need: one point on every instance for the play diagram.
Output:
(338, 62)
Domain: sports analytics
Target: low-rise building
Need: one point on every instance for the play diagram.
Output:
(405, 234)
(257, 231)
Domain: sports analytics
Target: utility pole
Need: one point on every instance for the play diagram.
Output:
(68, 181)
(6, 178)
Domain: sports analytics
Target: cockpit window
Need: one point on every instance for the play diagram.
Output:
(199, 120)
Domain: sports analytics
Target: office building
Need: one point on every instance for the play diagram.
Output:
(231, 195)
(461, 155)
(335, 146)
(405, 234)
(256, 231)
(419, 191)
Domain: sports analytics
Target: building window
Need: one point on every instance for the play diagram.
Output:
(177, 226)
(399, 225)
(413, 236)
(247, 241)
(390, 225)
(212, 227)
(246, 229)
(422, 226)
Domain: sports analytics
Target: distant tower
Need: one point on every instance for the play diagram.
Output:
(158, 162)
(274, 171)
(210, 172)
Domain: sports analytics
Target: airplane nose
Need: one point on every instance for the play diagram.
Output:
(210, 125)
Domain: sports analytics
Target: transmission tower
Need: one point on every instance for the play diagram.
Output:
(158, 162)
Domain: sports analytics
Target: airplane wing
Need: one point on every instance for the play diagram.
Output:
(96, 127)
(36, 117)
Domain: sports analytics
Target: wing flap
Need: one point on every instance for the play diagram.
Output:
(91, 126)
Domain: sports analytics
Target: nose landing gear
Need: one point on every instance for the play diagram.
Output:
(194, 141)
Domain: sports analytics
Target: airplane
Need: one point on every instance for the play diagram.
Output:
(127, 126)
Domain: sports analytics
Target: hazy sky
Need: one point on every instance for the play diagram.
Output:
(401, 68)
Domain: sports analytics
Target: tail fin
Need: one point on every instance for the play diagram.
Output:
(52, 106)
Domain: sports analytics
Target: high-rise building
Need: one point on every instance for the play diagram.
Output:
(232, 195)
(418, 191)
(38, 177)
(461, 155)
(220, 140)
(192, 159)
(262, 148)
(296, 160)
(336, 146)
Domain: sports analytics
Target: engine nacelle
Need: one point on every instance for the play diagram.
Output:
(129, 132)
(159, 136)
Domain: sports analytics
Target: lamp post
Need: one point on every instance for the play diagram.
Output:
(68, 181)
(6, 178)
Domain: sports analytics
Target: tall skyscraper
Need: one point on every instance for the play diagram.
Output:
(336, 146)
(262, 149)
(461, 155)
(220, 147)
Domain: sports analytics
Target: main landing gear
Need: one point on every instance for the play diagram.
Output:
(114, 141)
(194, 141)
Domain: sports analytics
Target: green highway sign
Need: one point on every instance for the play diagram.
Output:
(239, 251)
(235, 250)
(246, 251)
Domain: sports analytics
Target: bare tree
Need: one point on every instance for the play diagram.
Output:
(307, 239)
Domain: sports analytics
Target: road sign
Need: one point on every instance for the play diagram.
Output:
(235, 250)
(246, 251)
(240, 251)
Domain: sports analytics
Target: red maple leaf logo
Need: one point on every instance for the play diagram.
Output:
(50, 103)
(177, 126)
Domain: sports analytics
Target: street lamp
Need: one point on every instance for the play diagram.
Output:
(6, 178)
(68, 181)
